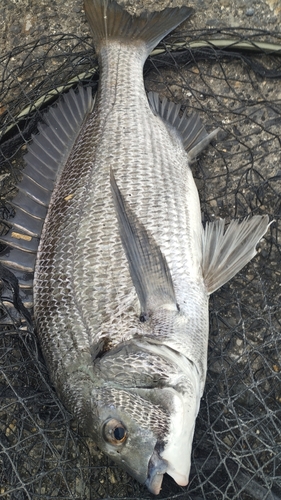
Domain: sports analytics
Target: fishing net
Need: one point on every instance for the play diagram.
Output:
(233, 81)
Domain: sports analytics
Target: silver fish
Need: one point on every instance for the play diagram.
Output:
(124, 267)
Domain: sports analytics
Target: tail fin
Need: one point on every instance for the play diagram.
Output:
(110, 21)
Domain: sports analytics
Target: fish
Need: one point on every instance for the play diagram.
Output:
(110, 253)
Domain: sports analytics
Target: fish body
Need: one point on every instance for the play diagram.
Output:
(82, 272)
(124, 267)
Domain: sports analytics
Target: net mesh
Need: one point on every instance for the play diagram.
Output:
(237, 443)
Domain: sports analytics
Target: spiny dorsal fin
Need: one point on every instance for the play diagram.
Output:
(148, 266)
(194, 135)
(48, 152)
(226, 253)
(46, 157)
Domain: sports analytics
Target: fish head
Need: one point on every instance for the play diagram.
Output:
(128, 429)
(123, 430)
(144, 413)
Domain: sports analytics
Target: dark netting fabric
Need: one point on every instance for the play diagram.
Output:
(237, 443)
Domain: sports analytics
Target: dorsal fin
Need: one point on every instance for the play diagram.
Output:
(46, 157)
(193, 133)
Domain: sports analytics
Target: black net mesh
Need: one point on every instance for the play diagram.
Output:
(237, 444)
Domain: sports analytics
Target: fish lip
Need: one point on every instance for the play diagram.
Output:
(157, 467)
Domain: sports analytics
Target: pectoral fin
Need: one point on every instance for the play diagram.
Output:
(226, 253)
(148, 267)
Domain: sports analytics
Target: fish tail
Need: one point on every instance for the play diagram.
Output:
(109, 22)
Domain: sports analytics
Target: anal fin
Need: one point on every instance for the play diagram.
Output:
(191, 129)
(225, 253)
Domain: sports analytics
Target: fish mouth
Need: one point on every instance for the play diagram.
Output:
(157, 467)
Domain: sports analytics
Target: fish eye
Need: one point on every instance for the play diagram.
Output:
(114, 432)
